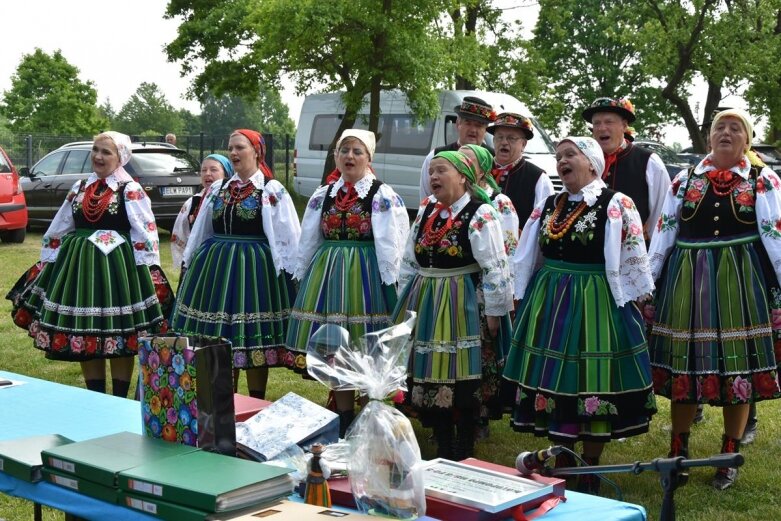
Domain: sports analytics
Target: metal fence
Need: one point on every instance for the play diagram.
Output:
(26, 150)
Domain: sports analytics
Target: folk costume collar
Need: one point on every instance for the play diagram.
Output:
(118, 176)
(742, 168)
(362, 187)
(589, 193)
(257, 179)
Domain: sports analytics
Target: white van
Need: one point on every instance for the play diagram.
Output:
(404, 142)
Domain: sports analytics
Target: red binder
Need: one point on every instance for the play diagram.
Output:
(247, 406)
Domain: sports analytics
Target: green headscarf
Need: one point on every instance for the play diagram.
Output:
(464, 166)
(486, 161)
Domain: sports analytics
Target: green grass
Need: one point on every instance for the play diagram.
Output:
(755, 495)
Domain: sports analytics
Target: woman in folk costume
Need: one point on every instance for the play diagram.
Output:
(215, 167)
(717, 256)
(579, 354)
(238, 261)
(494, 400)
(352, 238)
(455, 274)
(99, 283)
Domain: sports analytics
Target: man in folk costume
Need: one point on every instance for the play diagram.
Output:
(526, 184)
(472, 121)
(630, 169)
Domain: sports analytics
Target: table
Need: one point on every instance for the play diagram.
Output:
(40, 407)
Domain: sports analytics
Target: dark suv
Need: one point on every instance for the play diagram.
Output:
(167, 174)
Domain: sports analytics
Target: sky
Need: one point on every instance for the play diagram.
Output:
(118, 44)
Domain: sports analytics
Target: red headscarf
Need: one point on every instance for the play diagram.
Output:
(260, 147)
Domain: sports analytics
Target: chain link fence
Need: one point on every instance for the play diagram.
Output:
(26, 149)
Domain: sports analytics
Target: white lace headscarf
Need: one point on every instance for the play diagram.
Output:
(591, 150)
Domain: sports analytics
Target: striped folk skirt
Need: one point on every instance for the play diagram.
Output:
(580, 362)
(87, 304)
(718, 312)
(343, 287)
(231, 290)
(447, 364)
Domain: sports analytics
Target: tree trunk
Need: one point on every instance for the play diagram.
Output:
(712, 101)
(348, 121)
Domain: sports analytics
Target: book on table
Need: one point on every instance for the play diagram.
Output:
(291, 420)
(21, 457)
(285, 509)
(208, 481)
(81, 485)
(159, 508)
(99, 460)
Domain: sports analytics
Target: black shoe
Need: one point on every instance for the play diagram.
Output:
(700, 414)
(749, 433)
(724, 478)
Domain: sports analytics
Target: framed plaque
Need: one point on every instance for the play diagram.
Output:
(479, 488)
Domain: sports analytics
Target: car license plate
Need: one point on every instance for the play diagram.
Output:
(172, 191)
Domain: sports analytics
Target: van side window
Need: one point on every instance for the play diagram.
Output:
(324, 129)
(408, 136)
(451, 134)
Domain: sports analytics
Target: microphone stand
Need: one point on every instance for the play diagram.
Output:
(669, 470)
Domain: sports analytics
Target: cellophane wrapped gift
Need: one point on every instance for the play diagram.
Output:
(384, 465)
(187, 391)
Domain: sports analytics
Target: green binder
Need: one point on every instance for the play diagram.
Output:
(100, 459)
(21, 457)
(159, 508)
(82, 486)
(208, 481)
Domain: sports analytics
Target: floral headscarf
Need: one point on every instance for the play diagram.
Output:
(259, 145)
(465, 167)
(590, 149)
(486, 161)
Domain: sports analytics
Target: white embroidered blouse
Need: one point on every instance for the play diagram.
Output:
(143, 229)
(390, 227)
(488, 249)
(626, 260)
(280, 222)
(767, 206)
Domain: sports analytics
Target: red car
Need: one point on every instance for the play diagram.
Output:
(13, 207)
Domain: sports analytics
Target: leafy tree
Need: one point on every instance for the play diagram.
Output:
(106, 110)
(47, 96)
(191, 123)
(148, 110)
(267, 113)
(361, 47)
(582, 50)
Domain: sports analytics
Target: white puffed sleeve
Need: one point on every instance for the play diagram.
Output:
(409, 264)
(509, 220)
(281, 226)
(390, 227)
(543, 189)
(180, 233)
(62, 224)
(203, 227)
(143, 229)
(425, 188)
(626, 259)
(768, 208)
(667, 225)
(658, 181)
(485, 237)
(528, 256)
(311, 234)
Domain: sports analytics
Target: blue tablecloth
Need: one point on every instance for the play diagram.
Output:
(40, 407)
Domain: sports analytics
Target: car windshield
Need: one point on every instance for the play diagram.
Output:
(770, 151)
(171, 162)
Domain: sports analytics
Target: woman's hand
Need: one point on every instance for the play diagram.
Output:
(493, 325)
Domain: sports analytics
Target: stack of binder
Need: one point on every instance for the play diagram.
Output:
(200, 484)
(21, 458)
(90, 467)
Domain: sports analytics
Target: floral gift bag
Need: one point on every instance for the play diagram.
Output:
(187, 391)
